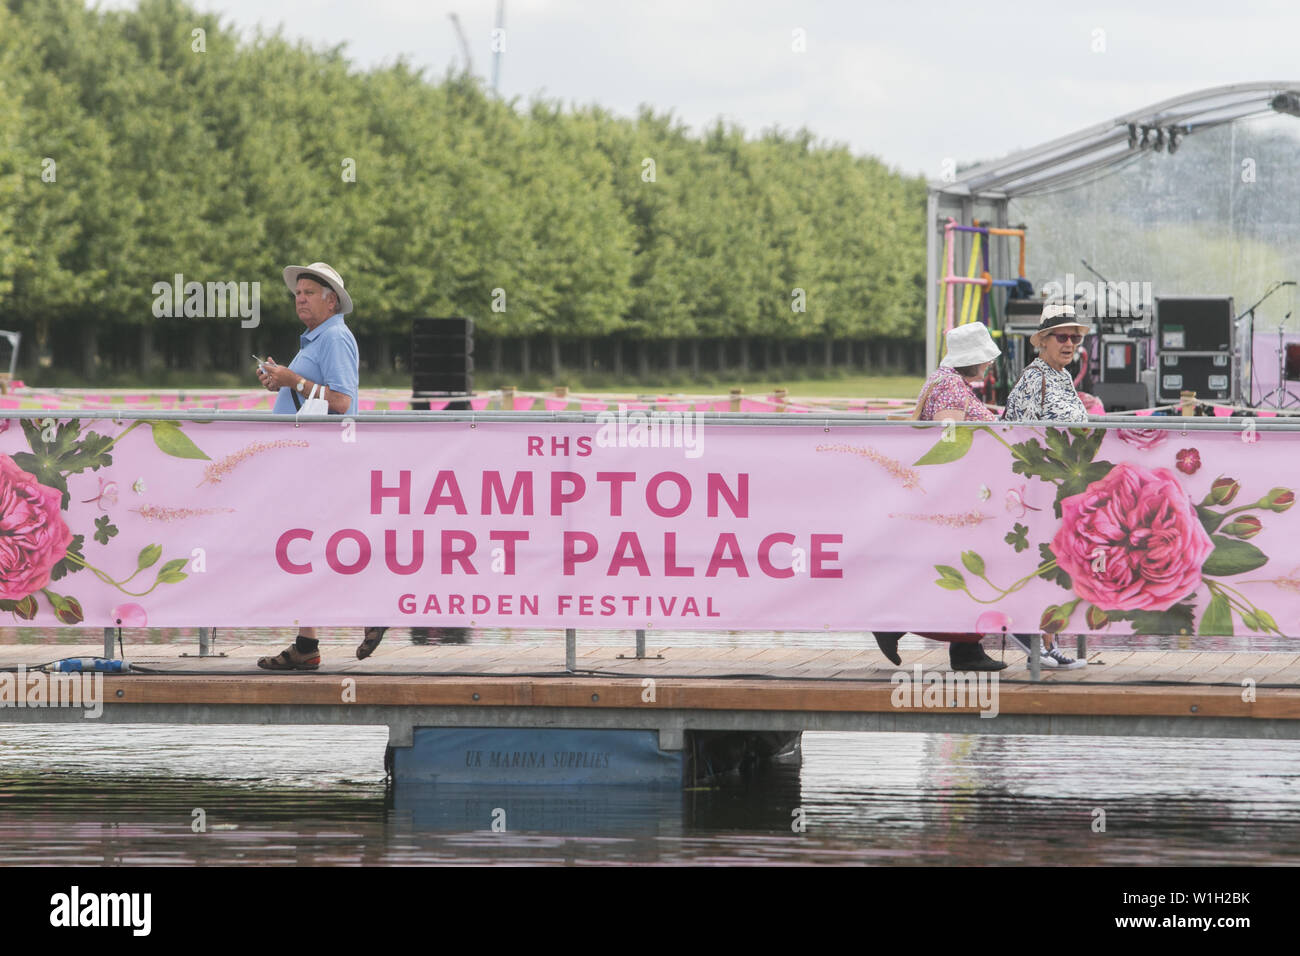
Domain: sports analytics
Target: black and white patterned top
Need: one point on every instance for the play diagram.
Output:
(1029, 401)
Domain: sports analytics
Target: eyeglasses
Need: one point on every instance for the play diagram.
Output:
(1064, 337)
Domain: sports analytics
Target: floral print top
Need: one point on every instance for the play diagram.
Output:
(948, 390)
(1030, 401)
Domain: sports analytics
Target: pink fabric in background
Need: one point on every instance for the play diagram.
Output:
(556, 404)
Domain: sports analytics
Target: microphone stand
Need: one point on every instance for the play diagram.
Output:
(1281, 395)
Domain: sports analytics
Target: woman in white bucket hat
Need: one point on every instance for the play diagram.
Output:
(947, 396)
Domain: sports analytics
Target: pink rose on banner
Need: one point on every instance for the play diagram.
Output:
(1142, 437)
(33, 535)
(1132, 540)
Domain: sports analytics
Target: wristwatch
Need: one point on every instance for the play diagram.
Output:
(301, 383)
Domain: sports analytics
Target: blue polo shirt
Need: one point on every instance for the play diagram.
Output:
(327, 356)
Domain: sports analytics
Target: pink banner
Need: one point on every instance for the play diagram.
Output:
(890, 526)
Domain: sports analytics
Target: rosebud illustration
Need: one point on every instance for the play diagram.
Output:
(1097, 618)
(1053, 620)
(27, 608)
(68, 611)
(1243, 526)
(1279, 499)
(1222, 492)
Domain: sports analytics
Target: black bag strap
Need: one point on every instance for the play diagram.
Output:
(296, 403)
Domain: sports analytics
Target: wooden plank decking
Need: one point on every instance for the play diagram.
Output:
(746, 678)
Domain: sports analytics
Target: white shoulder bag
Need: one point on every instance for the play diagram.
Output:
(315, 405)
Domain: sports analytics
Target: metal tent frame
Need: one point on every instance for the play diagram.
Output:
(984, 191)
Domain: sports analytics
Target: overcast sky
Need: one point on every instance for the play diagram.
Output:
(912, 83)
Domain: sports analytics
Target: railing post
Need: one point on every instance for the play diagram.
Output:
(640, 644)
(507, 398)
(108, 643)
(205, 648)
(1035, 656)
(571, 650)
(735, 398)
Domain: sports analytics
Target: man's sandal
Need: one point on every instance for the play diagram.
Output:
(367, 647)
(291, 659)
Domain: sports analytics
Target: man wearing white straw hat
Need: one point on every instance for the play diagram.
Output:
(327, 360)
(328, 356)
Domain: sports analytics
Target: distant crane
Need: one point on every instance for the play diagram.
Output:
(498, 47)
(464, 46)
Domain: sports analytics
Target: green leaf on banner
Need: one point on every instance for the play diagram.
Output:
(169, 438)
(1231, 556)
(1210, 520)
(104, 529)
(149, 556)
(1217, 619)
(949, 450)
(973, 562)
(66, 566)
(950, 578)
(1179, 619)
(1016, 537)
(171, 572)
(1055, 574)
(68, 453)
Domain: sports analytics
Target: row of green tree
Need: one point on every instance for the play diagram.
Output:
(137, 145)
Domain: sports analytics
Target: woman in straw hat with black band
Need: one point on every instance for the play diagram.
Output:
(1046, 392)
(947, 396)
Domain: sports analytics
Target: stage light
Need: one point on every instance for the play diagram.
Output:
(1288, 102)
(1176, 134)
(1159, 144)
(1132, 135)
(1146, 131)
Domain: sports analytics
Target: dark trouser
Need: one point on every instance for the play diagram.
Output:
(950, 638)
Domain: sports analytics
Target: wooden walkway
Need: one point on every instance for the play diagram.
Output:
(700, 679)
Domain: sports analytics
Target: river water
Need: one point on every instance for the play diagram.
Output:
(90, 794)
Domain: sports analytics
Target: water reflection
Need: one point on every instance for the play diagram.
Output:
(270, 796)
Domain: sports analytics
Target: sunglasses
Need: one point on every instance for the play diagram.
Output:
(1064, 337)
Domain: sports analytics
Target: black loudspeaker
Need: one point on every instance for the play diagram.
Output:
(442, 360)
(1209, 375)
(1194, 323)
